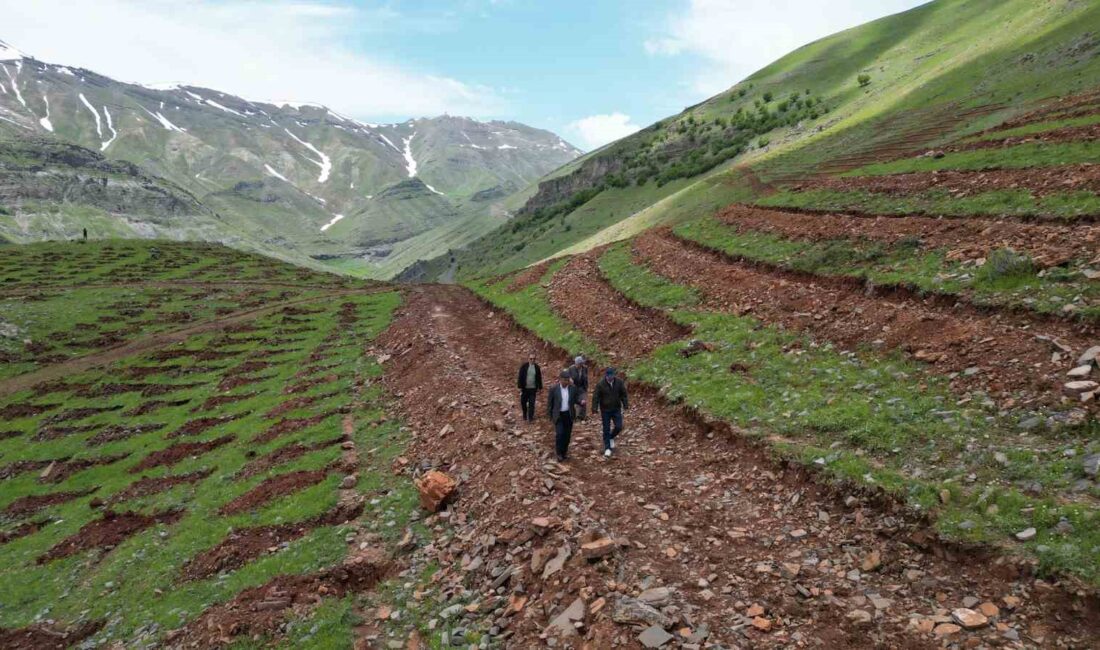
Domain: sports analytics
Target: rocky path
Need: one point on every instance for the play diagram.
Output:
(689, 537)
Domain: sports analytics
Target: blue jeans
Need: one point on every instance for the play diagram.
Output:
(608, 433)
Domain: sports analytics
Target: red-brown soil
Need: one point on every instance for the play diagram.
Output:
(624, 329)
(43, 637)
(261, 611)
(30, 504)
(965, 239)
(290, 425)
(1039, 181)
(108, 389)
(24, 410)
(108, 532)
(528, 276)
(247, 367)
(950, 338)
(273, 488)
(695, 507)
(20, 466)
(296, 403)
(236, 381)
(283, 454)
(79, 413)
(200, 425)
(155, 485)
(55, 431)
(154, 405)
(116, 432)
(1068, 134)
(1054, 109)
(246, 544)
(303, 386)
(22, 530)
(166, 389)
(177, 452)
(4, 435)
(57, 386)
(215, 401)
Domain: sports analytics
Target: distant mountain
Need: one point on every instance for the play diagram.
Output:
(295, 179)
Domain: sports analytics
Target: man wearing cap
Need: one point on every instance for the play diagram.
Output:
(609, 399)
(578, 372)
(560, 402)
(530, 383)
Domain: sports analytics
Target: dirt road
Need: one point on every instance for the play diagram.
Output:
(715, 541)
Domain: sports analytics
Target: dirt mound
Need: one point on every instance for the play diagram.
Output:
(117, 432)
(165, 389)
(154, 405)
(58, 472)
(247, 367)
(155, 485)
(24, 410)
(22, 530)
(43, 637)
(30, 504)
(296, 403)
(200, 425)
(947, 337)
(79, 413)
(56, 386)
(242, 546)
(290, 425)
(580, 293)
(1039, 181)
(236, 381)
(215, 401)
(179, 451)
(20, 466)
(262, 611)
(965, 239)
(53, 432)
(1068, 134)
(303, 386)
(273, 488)
(108, 532)
(282, 455)
(529, 276)
(109, 389)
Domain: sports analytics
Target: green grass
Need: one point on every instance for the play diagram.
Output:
(866, 418)
(1006, 279)
(642, 285)
(1020, 156)
(1013, 203)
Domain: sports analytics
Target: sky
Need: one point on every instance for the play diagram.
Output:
(590, 70)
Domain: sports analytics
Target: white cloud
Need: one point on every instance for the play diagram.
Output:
(595, 131)
(738, 37)
(262, 50)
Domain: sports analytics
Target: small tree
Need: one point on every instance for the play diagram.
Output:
(767, 97)
(864, 80)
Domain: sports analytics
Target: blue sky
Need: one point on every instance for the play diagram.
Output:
(590, 70)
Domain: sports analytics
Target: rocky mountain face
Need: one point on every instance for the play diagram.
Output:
(299, 180)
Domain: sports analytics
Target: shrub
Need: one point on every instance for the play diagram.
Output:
(1006, 264)
(864, 80)
(768, 97)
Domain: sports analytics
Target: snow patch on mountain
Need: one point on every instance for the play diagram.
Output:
(335, 218)
(325, 163)
(63, 70)
(163, 120)
(389, 142)
(224, 108)
(434, 190)
(45, 121)
(9, 53)
(506, 146)
(410, 162)
(95, 114)
(111, 127)
(14, 79)
(274, 173)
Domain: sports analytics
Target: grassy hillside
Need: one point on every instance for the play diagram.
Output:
(892, 87)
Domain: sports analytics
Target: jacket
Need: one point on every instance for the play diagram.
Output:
(521, 382)
(553, 401)
(610, 395)
(579, 374)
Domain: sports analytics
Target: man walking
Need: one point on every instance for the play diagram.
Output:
(561, 399)
(578, 372)
(529, 383)
(609, 399)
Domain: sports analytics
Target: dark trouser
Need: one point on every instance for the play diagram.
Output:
(527, 403)
(608, 433)
(563, 430)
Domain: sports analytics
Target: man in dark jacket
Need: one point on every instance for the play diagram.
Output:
(609, 399)
(561, 400)
(578, 372)
(529, 383)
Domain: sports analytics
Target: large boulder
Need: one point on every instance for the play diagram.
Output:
(435, 488)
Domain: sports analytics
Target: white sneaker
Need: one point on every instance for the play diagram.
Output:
(607, 453)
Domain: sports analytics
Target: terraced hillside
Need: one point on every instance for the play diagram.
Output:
(183, 449)
(895, 87)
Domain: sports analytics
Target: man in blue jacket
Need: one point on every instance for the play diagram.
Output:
(561, 400)
(610, 400)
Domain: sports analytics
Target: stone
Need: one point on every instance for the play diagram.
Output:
(654, 636)
(946, 629)
(1092, 355)
(871, 562)
(48, 472)
(1026, 534)
(1078, 388)
(762, 624)
(924, 625)
(797, 533)
(598, 549)
(989, 610)
(970, 602)
(562, 624)
(556, 563)
(1011, 602)
(632, 610)
(859, 617)
(543, 524)
(1080, 372)
(969, 618)
(656, 596)
(349, 482)
(789, 570)
(1092, 465)
(881, 603)
(755, 611)
(435, 489)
